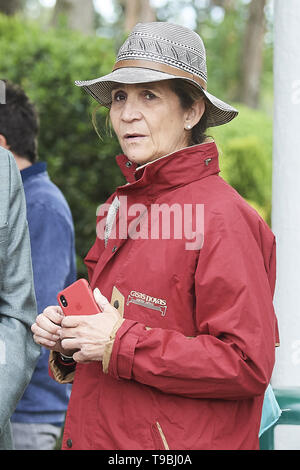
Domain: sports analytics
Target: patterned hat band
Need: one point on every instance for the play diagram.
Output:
(165, 68)
(160, 51)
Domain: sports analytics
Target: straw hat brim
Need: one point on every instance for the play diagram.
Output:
(218, 112)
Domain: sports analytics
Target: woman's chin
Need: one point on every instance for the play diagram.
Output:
(139, 158)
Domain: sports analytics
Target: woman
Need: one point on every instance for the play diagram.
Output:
(182, 354)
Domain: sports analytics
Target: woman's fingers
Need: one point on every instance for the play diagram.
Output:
(42, 333)
(70, 344)
(44, 342)
(46, 329)
(54, 313)
(45, 325)
(101, 300)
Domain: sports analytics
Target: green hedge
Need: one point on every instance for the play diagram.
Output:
(46, 63)
(245, 146)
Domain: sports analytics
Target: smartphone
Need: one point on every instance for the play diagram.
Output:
(78, 299)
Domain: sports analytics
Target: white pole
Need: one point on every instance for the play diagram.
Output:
(286, 203)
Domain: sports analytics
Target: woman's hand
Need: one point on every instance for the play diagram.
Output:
(46, 330)
(89, 334)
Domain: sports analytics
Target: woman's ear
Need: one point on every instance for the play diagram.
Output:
(194, 113)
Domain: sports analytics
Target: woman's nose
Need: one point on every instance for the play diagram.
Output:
(130, 110)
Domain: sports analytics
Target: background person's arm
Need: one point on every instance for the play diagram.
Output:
(19, 353)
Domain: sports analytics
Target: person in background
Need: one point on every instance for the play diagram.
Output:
(18, 352)
(39, 416)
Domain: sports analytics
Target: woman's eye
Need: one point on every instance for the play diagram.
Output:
(119, 96)
(149, 95)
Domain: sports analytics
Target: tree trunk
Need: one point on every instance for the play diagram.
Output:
(10, 7)
(252, 54)
(80, 15)
(226, 4)
(131, 14)
(147, 12)
(137, 11)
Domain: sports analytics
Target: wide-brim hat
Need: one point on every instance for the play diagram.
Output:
(161, 51)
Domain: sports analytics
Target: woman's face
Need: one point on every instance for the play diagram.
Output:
(148, 120)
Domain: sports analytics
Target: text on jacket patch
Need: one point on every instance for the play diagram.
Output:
(147, 301)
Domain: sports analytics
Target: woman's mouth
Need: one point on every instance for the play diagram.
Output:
(133, 137)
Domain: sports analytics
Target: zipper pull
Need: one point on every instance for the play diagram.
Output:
(207, 161)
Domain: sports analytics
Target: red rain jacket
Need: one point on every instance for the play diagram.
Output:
(190, 363)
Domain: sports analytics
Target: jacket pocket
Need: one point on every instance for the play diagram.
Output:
(160, 440)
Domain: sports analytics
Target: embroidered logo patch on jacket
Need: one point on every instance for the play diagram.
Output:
(147, 301)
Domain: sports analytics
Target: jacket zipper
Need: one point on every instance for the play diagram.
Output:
(162, 436)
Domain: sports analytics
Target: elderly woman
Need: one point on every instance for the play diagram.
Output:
(183, 270)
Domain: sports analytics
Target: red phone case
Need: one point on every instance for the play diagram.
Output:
(78, 299)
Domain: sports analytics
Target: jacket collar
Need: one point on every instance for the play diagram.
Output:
(173, 170)
(35, 169)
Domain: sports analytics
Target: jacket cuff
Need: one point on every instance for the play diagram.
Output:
(60, 372)
(109, 346)
(122, 351)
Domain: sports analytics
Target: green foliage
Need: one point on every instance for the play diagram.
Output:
(46, 63)
(224, 43)
(245, 146)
